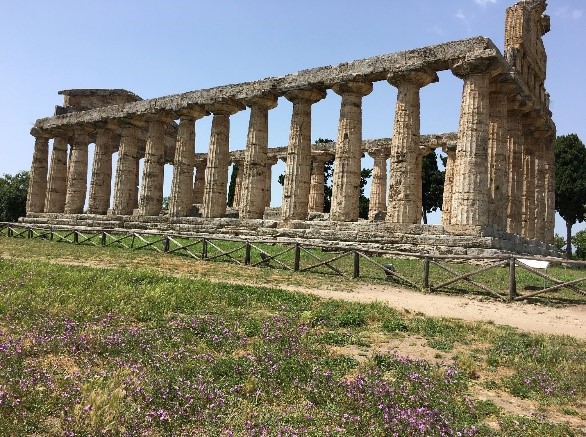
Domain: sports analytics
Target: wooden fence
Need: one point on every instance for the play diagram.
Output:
(339, 260)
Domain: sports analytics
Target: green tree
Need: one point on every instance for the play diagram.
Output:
(570, 182)
(13, 191)
(232, 186)
(432, 186)
(580, 242)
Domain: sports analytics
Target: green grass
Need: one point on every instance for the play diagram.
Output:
(130, 351)
(495, 279)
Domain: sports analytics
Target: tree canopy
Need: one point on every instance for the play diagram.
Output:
(432, 186)
(13, 191)
(570, 182)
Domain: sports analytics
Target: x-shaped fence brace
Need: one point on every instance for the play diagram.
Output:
(570, 285)
(458, 276)
(172, 244)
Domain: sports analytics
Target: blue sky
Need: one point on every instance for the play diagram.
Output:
(155, 48)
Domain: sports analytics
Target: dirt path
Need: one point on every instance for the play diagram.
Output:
(569, 320)
(527, 317)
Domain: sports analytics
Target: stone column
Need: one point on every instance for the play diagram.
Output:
(450, 150)
(405, 196)
(238, 183)
(515, 166)
(316, 188)
(151, 191)
(346, 181)
(101, 182)
(295, 204)
(498, 185)
(77, 173)
(57, 181)
(253, 198)
(136, 172)
(470, 186)
(181, 189)
(540, 200)
(378, 188)
(125, 184)
(37, 187)
(215, 193)
(549, 188)
(200, 180)
(528, 186)
(271, 160)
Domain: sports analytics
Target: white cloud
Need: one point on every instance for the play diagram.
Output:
(483, 3)
(460, 15)
(577, 14)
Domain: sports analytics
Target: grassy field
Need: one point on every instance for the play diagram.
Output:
(113, 346)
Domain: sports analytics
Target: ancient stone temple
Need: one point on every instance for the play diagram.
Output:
(498, 192)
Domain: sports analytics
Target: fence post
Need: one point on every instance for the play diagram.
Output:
(103, 239)
(356, 272)
(75, 237)
(426, 273)
(247, 254)
(512, 279)
(10, 231)
(204, 248)
(297, 257)
(166, 244)
(30, 233)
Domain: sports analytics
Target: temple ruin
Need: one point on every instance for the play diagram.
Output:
(499, 189)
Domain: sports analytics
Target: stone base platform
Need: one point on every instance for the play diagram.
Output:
(367, 235)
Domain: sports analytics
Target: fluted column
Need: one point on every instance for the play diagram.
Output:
(253, 199)
(405, 197)
(37, 187)
(57, 180)
(540, 199)
(125, 184)
(346, 180)
(101, 181)
(316, 188)
(498, 161)
(216, 175)
(271, 160)
(296, 186)
(183, 164)
(470, 187)
(450, 150)
(549, 188)
(378, 187)
(77, 173)
(151, 190)
(528, 186)
(239, 164)
(515, 171)
(199, 180)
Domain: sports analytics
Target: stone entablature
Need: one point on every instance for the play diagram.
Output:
(499, 162)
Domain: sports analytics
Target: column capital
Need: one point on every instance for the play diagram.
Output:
(201, 162)
(353, 87)
(272, 160)
(41, 134)
(378, 153)
(266, 101)
(194, 113)
(321, 156)
(482, 65)
(308, 95)
(420, 78)
(160, 117)
(227, 107)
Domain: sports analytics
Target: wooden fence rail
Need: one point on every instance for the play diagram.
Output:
(296, 256)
